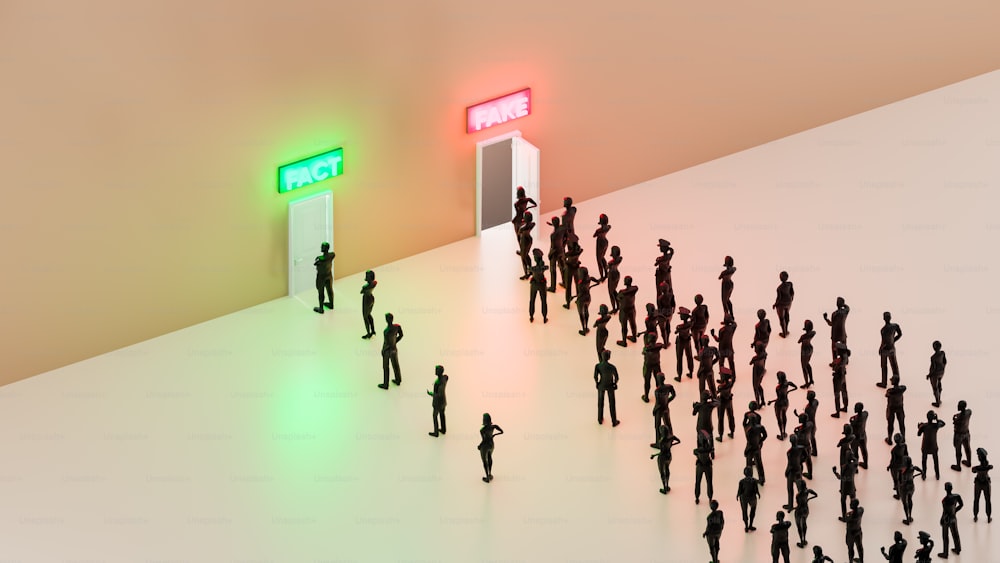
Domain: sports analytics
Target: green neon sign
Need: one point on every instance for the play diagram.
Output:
(310, 170)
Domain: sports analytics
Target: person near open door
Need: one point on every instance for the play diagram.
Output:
(324, 277)
(521, 206)
(524, 241)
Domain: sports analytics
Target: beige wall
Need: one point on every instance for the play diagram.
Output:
(139, 140)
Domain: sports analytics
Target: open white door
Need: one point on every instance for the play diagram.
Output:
(310, 224)
(502, 164)
(525, 172)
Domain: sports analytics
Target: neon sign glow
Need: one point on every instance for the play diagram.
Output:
(498, 110)
(310, 170)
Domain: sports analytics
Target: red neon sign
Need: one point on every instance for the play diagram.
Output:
(498, 110)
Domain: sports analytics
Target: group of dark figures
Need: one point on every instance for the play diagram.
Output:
(692, 341)
(391, 336)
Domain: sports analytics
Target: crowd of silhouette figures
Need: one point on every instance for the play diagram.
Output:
(695, 341)
(702, 350)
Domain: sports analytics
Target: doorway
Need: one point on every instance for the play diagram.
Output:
(310, 224)
(502, 164)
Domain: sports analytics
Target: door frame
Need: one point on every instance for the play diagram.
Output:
(479, 174)
(326, 199)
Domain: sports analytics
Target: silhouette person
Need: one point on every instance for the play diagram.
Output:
(859, 426)
(845, 445)
(812, 405)
(391, 336)
(747, 493)
(950, 505)
(584, 282)
(614, 276)
(662, 397)
(762, 330)
(896, 550)
(905, 487)
(781, 403)
(324, 277)
(897, 458)
(929, 443)
(806, 353)
(704, 455)
(572, 268)
(854, 532)
(725, 398)
(848, 489)
(923, 554)
(601, 324)
(713, 530)
(486, 435)
(368, 303)
(801, 433)
(665, 441)
(703, 409)
(665, 306)
(894, 407)
(683, 343)
(601, 246)
(982, 486)
(891, 333)
(557, 257)
(818, 556)
(538, 287)
(524, 242)
(606, 380)
(751, 417)
(793, 467)
(756, 435)
(759, 362)
(439, 401)
(936, 373)
(569, 216)
(725, 341)
(803, 495)
(838, 325)
(699, 320)
(779, 538)
(521, 206)
(708, 356)
(727, 286)
(652, 320)
(650, 361)
(961, 440)
(783, 302)
(662, 263)
(626, 310)
(840, 379)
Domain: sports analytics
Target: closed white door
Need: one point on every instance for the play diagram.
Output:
(310, 224)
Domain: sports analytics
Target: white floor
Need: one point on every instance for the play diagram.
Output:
(261, 436)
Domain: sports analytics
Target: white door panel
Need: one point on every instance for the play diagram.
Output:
(310, 224)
